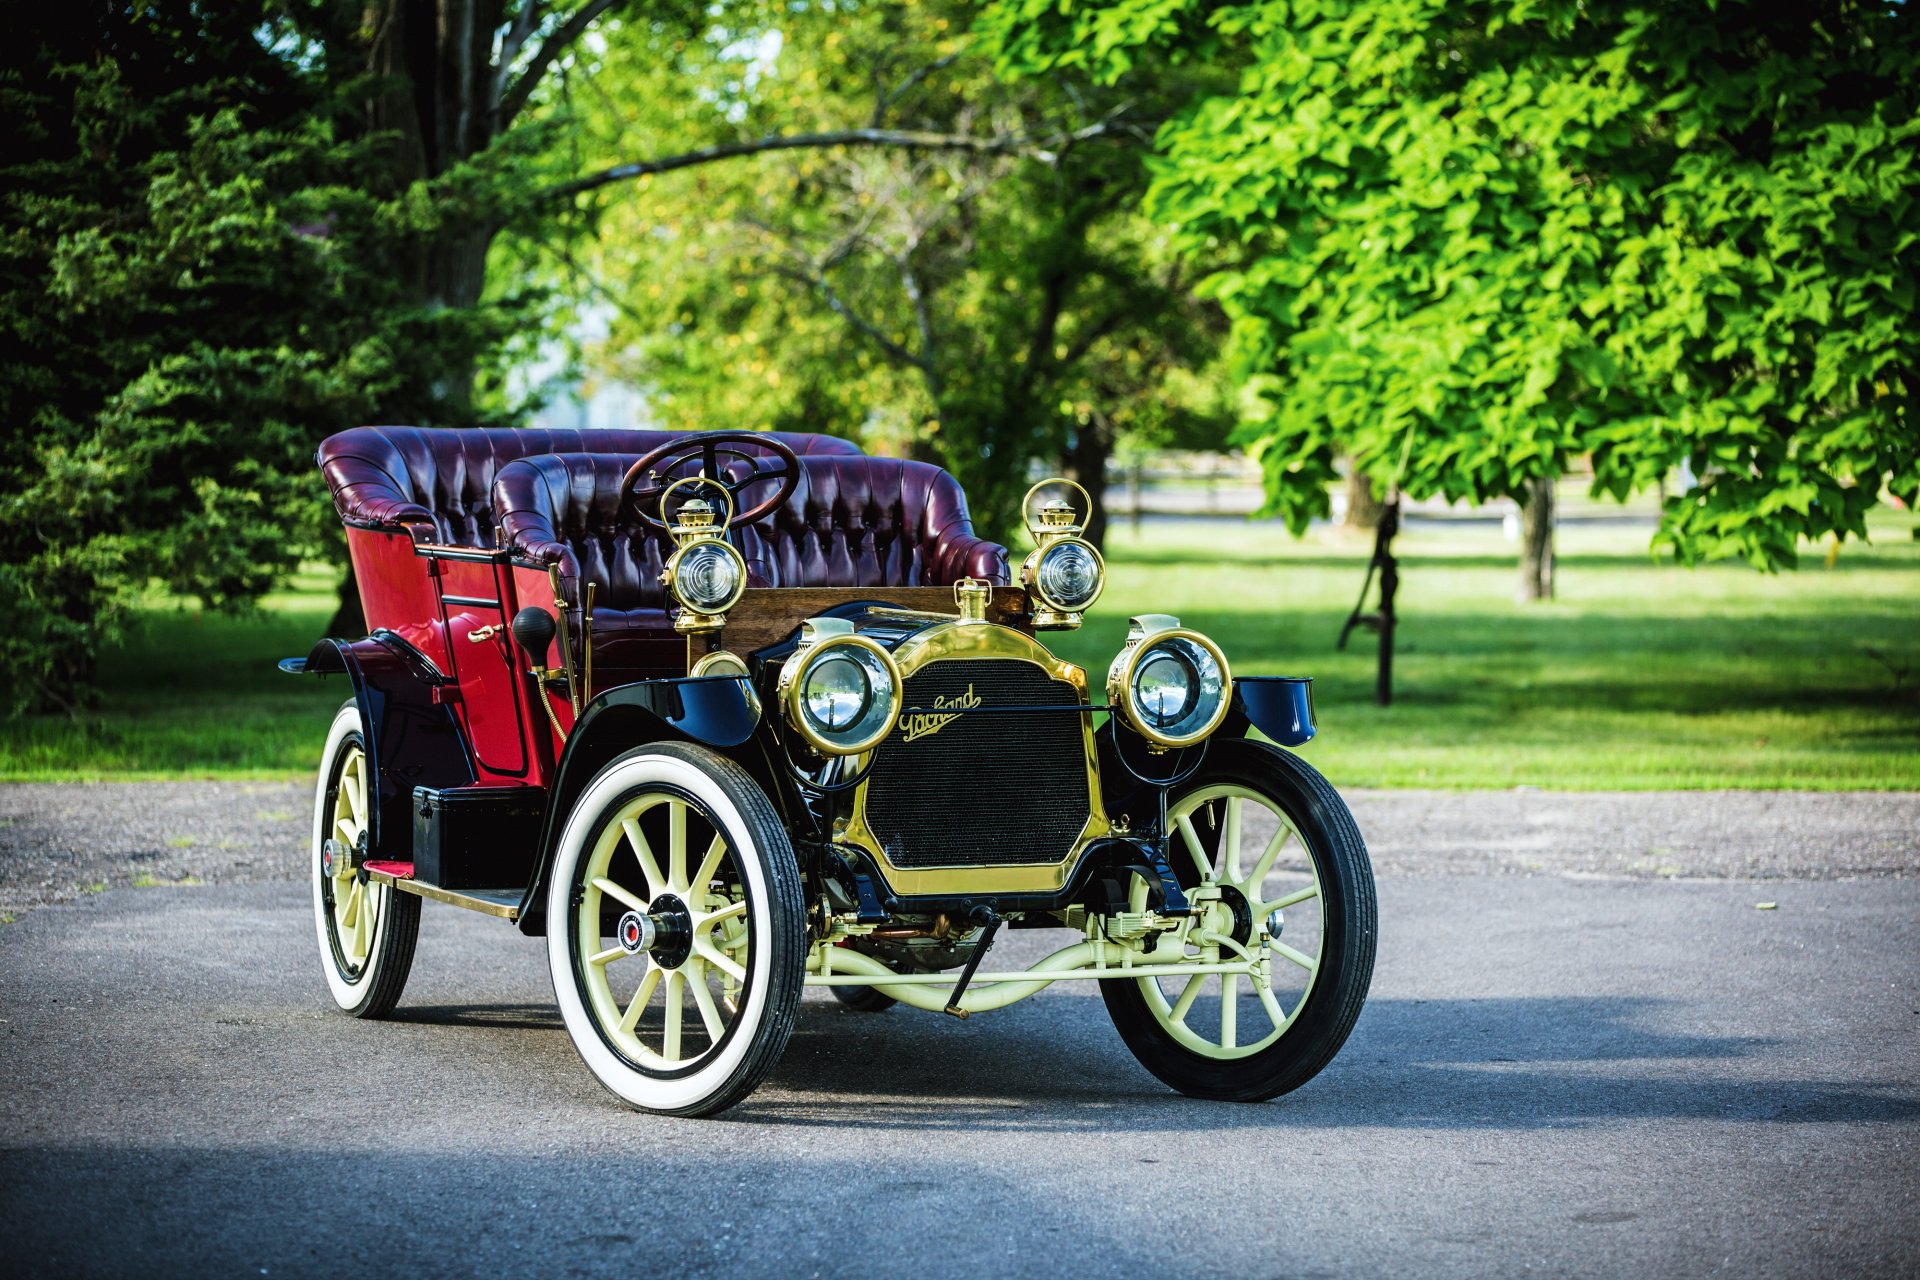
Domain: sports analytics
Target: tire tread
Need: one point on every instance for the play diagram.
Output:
(1292, 1060)
(786, 945)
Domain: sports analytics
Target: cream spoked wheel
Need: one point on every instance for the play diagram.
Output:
(1252, 903)
(677, 936)
(366, 931)
(1277, 876)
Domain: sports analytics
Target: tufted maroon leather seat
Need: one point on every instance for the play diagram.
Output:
(852, 521)
(441, 479)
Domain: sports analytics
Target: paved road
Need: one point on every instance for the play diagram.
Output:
(59, 842)
(1555, 1075)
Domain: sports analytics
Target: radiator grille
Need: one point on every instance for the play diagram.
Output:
(993, 789)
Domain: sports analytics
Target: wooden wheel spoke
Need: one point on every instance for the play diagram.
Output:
(363, 925)
(1188, 994)
(709, 1014)
(670, 1037)
(643, 993)
(1230, 840)
(1275, 1014)
(709, 865)
(732, 911)
(1301, 958)
(1194, 847)
(1293, 899)
(1269, 856)
(618, 893)
(1229, 1010)
(649, 865)
(704, 948)
(677, 845)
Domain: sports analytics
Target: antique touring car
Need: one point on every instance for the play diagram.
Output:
(726, 715)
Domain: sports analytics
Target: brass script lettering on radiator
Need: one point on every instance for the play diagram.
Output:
(926, 724)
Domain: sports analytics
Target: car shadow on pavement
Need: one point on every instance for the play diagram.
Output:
(509, 1017)
(1522, 1063)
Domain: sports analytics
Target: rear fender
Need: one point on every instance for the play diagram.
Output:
(412, 739)
(713, 711)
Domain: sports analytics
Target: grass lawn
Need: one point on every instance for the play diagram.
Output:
(1641, 675)
(195, 695)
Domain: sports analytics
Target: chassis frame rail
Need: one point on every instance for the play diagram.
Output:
(1093, 960)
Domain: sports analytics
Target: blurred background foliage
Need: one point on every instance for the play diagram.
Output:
(1464, 247)
(975, 310)
(226, 231)
(1471, 242)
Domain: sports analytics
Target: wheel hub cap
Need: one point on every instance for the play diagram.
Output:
(637, 933)
(665, 932)
(336, 859)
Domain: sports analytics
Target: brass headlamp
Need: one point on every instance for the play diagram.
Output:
(840, 691)
(1169, 683)
(705, 574)
(1064, 573)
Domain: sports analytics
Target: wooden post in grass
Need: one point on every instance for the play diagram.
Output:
(1381, 620)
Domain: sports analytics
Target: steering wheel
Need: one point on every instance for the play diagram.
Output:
(647, 480)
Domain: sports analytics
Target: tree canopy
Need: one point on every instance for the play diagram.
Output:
(1468, 242)
(973, 306)
(1462, 243)
(227, 231)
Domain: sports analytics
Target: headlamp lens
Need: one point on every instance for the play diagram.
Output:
(706, 576)
(837, 691)
(1069, 576)
(1164, 687)
(1177, 687)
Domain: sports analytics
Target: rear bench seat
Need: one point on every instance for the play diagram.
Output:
(851, 521)
(436, 483)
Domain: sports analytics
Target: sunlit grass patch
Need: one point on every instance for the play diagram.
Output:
(1641, 674)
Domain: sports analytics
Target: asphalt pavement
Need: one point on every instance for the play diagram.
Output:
(1556, 1074)
(62, 841)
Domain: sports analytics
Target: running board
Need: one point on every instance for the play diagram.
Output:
(504, 903)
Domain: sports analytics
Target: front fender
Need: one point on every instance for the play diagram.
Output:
(714, 711)
(1279, 706)
(412, 740)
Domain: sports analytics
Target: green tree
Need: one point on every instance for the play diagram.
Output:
(225, 232)
(974, 307)
(228, 230)
(1472, 241)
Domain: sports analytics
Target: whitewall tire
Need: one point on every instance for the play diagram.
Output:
(676, 930)
(366, 931)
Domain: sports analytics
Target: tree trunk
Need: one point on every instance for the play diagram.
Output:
(1388, 526)
(438, 109)
(1536, 540)
(456, 277)
(1363, 504)
(1085, 461)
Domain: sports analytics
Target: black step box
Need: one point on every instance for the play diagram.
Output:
(477, 837)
